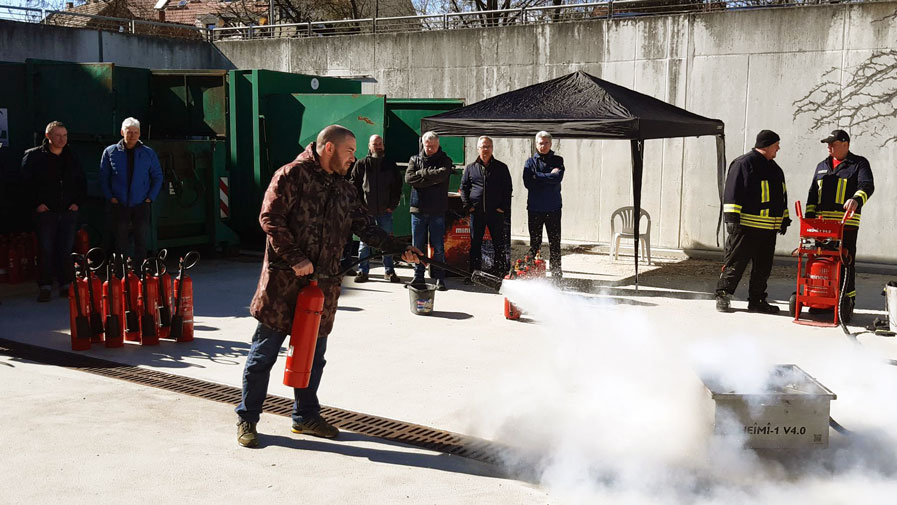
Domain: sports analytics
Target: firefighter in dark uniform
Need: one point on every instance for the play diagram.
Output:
(842, 182)
(755, 206)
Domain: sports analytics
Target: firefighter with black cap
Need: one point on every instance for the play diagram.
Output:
(842, 182)
(755, 206)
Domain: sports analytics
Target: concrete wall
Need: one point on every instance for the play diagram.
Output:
(746, 68)
(20, 41)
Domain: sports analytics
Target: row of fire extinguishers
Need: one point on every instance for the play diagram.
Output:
(134, 304)
(526, 268)
(18, 255)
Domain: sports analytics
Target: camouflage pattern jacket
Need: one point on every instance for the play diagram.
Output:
(307, 214)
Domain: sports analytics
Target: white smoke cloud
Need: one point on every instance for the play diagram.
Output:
(608, 406)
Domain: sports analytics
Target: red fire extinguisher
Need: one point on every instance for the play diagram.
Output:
(511, 311)
(82, 241)
(131, 288)
(182, 319)
(16, 252)
(78, 306)
(165, 296)
(149, 283)
(113, 306)
(29, 261)
(4, 258)
(94, 261)
(304, 335)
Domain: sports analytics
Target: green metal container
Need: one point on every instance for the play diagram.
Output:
(105, 94)
(188, 103)
(15, 137)
(258, 147)
(402, 140)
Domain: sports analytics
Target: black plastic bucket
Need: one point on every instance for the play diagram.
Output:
(421, 297)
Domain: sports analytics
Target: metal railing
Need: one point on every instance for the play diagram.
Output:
(399, 24)
(120, 25)
(505, 17)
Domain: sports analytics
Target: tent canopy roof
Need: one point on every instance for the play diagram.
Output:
(575, 105)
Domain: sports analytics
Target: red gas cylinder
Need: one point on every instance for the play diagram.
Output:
(184, 309)
(166, 301)
(821, 274)
(149, 310)
(95, 294)
(113, 309)
(16, 253)
(131, 305)
(540, 265)
(78, 315)
(82, 241)
(4, 258)
(511, 312)
(304, 336)
(29, 256)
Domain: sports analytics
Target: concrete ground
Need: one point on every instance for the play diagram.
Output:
(80, 438)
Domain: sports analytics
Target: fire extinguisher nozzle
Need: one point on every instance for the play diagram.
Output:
(486, 280)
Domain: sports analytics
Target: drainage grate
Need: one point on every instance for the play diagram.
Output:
(380, 427)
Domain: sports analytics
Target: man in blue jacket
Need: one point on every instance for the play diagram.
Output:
(542, 176)
(486, 194)
(131, 177)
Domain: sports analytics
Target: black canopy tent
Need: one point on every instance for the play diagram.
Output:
(580, 105)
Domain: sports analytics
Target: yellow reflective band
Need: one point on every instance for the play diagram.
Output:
(764, 191)
(732, 207)
(764, 212)
(811, 207)
(837, 215)
(862, 195)
(852, 294)
(787, 215)
(841, 192)
(784, 187)
(819, 191)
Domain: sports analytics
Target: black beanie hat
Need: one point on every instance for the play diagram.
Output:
(766, 138)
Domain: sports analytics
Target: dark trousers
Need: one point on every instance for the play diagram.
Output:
(263, 354)
(55, 238)
(496, 222)
(848, 270)
(137, 217)
(749, 245)
(552, 223)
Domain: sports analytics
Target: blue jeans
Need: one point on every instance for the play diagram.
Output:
(266, 344)
(55, 238)
(433, 225)
(384, 221)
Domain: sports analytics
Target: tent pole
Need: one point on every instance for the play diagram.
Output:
(638, 152)
(720, 179)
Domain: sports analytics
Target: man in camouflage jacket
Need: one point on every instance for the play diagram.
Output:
(308, 210)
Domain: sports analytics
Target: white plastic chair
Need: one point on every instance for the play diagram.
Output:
(627, 219)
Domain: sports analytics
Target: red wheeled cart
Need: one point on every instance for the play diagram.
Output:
(820, 257)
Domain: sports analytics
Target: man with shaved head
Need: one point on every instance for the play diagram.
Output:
(308, 210)
(379, 184)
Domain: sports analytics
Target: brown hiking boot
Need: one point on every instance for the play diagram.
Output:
(361, 277)
(317, 426)
(391, 277)
(246, 434)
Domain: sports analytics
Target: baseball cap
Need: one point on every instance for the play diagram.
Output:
(839, 135)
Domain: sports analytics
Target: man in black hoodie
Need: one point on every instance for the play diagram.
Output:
(486, 193)
(428, 174)
(379, 185)
(58, 187)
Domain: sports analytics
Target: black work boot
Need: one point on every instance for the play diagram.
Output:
(722, 303)
(762, 307)
(246, 434)
(315, 425)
